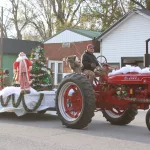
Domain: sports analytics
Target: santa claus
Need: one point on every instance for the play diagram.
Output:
(22, 67)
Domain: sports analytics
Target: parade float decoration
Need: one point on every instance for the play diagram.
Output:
(41, 75)
(41, 97)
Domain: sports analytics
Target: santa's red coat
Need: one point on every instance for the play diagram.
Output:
(17, 68)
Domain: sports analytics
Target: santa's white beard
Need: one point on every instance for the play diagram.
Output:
(20, 58)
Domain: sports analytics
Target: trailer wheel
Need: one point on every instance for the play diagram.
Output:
(120, 117)
(148, 119)
(75, 101)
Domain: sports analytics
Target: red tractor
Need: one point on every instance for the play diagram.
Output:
(118, 97)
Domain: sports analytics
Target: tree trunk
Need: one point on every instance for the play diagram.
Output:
(148, 4)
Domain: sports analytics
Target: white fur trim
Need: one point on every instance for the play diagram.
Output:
(20, 58)
(23, 61)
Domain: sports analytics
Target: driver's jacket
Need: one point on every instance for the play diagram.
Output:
(87, 60)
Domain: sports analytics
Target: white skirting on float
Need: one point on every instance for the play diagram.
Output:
(30, 100)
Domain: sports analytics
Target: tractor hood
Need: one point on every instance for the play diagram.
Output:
(130, 78)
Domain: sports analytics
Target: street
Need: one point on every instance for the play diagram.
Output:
(45, 132)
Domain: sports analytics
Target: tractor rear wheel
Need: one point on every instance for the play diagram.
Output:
(75, 101)
(120, 117)
(148, 119)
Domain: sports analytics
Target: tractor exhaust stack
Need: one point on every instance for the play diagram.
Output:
(147, 55)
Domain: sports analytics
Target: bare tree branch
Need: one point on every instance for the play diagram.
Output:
(77, 8)
(138, 3)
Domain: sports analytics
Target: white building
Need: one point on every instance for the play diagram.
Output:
(124, 42)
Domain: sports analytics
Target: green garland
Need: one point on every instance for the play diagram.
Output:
(18, 100)
(36, 106)
(21, 98)
(7, 101)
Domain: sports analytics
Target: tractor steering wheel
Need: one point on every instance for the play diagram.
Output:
(102, 59)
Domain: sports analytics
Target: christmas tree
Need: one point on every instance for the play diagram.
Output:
(41, 75)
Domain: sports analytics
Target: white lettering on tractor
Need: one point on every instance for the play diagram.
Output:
(131, 78)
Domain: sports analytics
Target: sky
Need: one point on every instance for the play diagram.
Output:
(3, 2)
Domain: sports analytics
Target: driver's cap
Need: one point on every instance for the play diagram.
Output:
(90, 46)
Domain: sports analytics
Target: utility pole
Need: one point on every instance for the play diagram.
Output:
(1, 46)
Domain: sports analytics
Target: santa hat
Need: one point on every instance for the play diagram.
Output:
(89, 46)
(22, 54)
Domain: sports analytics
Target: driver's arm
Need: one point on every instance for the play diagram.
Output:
(96, 62)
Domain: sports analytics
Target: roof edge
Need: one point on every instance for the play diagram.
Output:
(117, 22)
(55, 35)
(70, 29)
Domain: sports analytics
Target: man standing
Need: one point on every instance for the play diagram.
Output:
(22, 67)
(89, 62)
(6, 79)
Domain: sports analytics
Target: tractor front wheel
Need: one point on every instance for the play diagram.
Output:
(75, 101)
(118, 116)
(148, 119)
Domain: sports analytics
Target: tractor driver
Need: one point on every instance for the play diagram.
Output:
(89, 62)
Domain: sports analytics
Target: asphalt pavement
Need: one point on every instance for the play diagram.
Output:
(45, 132)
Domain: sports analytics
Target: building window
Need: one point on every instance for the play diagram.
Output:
(57, 70)
(60, 72)
(133, 61)
(52, 66)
